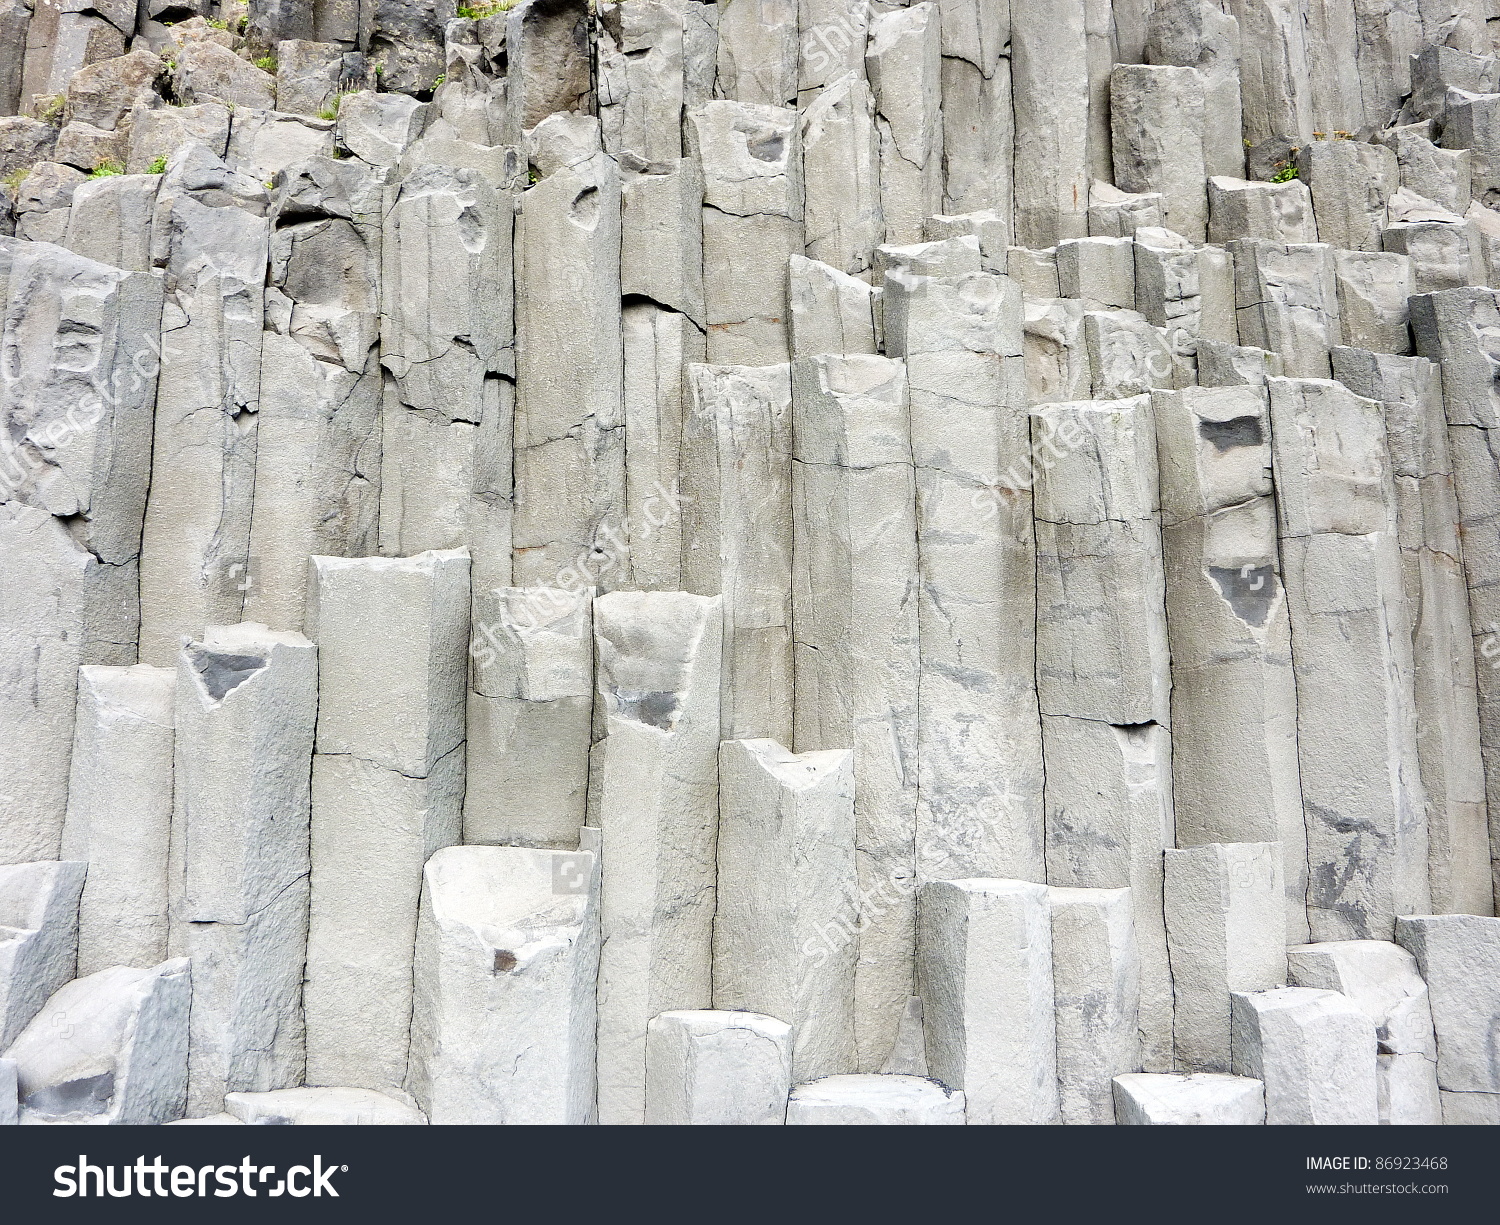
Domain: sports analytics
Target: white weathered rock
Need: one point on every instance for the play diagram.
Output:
(1226, 932)
(658, 683)
(109, 1048)
(39, 948)
(1118, 214)
(120, 813)
(752, 224)
(1157, 137)
(1229, 365)
(1057, 357)
(1274, 212)
(1096, 993)
(832, 312)
(246, 705)
(903, 61)
(1444, 252)
(1471, 1109)
(211, 237)
(1101, 271)
(984, 971)
(865, 1100)
(506, 959)
(1351, 183)
(1351, 650)
(1201, 35)
(1286, 300)
(1188, 1099)
(1382, 979)
(661, 234)
(1313, 1050)
(1457, 955)
(979, 799)
(1373, 289)
(737, 536)
(1050, 88)
(758, 57)
(706, 1068)
(1233, 692)
(531, 701)
(1128, 356)
(1428, 525)
(856, 646)
(388, 780)
(1186, 290)
(569, 431)
(336, 1107)
(784, 931)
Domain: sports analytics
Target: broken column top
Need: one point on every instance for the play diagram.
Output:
(866, 1099)
(1214, 448)
(648, 642)
(1107, 466)
(509, 896)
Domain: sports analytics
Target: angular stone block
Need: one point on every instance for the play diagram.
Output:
(903, 60)
(506, 959)
(39, 920)
(1313, 1050)
(109, 1048)
(784, 939)
(1286, 300)
(1188, 1099)
(865, 1100)
(831, 311)
(1156, 129)
(706, 1068)
(737, 535)
(530, 716)
(984, 971)
(1226, 932)
(120, 813)
(331, 1107)
(1274, 212)
(658, 683)
(1382, 979)
(1457, 955)
(1096, 993)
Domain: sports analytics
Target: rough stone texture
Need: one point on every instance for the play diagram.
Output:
(1193, 1099)
(1313, 1050)
(1382, 979)
(1096, 995)
(387, 793)
(784, 938)
(507, 954)
(119, 819)
(984, 970)
(246, 705)
(108, 1048)
(1457, 955)
(856, 646)
(707, 1068)
(39, 952)
(863, 1101)
(1226, 932)
(658, 685)
(335, 1107)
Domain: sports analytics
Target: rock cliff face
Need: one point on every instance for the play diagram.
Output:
(779, 561)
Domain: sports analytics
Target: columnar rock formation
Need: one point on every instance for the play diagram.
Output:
(745, 562)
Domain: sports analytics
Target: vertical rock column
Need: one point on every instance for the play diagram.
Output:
(856, 648)
(388, 785)
(784, 939)
(1050, 87)
(844, 220)
(317, 462)
(120, 813)
(979, 807)
(506, 958)
(1157, 131)
(247, 701)
(531, 704)
(737, 536)
(752, 224)
(1351, 651)
(447, 344)
(79, 343)
(1234, 699)
(978, 120)
(904, 62)
(658, 682)
(1454, 329)
(211, 237)
(1432, 568)
(1102, 674)
(570, 426)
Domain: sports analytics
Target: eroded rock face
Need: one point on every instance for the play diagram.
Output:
(665, 561)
